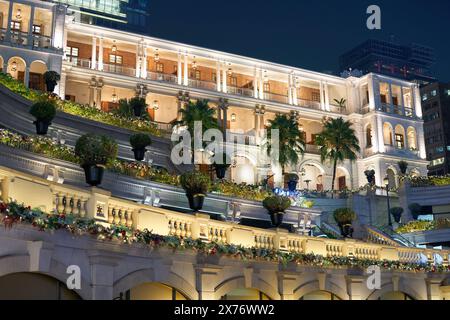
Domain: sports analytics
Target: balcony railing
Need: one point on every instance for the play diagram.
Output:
(240, 91)
(119, 69)
(100, 205)
(395, 109)
(19, 38)
(208, 85)
(312, 148)
(309, 104)
(276, 97)
(162, 77)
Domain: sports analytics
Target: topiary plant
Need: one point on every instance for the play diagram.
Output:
(396, 213)
(344, 216)
(140, 141)
(195, 182)
(44, 110)
(403, 166)
(138, 105)
(51, 78)
(276, 204)
(415, 210)
(95, 150)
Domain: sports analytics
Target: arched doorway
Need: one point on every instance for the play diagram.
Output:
(245, 294)
(399, 137)
(152, 291)
(37, 70)
(395, 295)
(34, 286)
(343, 181)
(320, 295)
(387, 134)
(16, 68)
(311, 177)
(391, 175)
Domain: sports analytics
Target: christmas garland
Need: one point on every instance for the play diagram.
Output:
(17, 213)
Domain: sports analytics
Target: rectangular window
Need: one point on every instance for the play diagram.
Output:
(16, 25)
(115, 59)
(399, 141)
(72, 54)
(425, 97)
(37, 29)
(383, 98)
(266, 87)
(159, 67)
(447, 92)
(214, 77)
(233, 82)
(197, 75)
(315, 96)
(433, 93)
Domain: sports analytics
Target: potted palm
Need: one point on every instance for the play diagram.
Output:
(396, 213)
(276, 207)
(403, 166)
(415, 210)
(51, 79)
(344, 218)
(221, 166)
(138, 105)
(370, 176)
(196, 185)
(94, 153)
(139, 142)
(292, 181)
(44, 111)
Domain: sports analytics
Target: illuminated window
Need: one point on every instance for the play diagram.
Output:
(399, 141)
(233, 82)
(37, 29)
(197, 75)
(433, 93)
(72, 54)
(16, 25)
(159, 67)
(115, 59)
(266, 87)
(315, 96)
(214, 77)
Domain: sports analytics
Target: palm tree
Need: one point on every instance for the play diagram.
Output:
(337, 142)
(198, 111)
(291, 140)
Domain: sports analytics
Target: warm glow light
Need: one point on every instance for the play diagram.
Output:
(155, 105)
(14, 66)
(156, 57)
(386, 181)
(233, 117)
(114, 97)
(19, 15)
(114, 47)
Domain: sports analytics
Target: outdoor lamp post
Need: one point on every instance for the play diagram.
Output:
(386, 183)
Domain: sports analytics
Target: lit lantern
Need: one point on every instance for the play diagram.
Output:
(114, 47)
(233, 117)
(155, 105)
(114, 97)
(156, 57)
(14, 66)
(194, 64)
(19, 14)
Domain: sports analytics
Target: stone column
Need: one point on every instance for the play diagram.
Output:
(218, 82)
(294, 91)
(100, 54)
(92, 92)
(255, 85)
(8, 25)
(206, 279)
(380, 135)
(290, 100)
(182, 99)
(94, 53)
(327, 97)
(186, 70)
(27, 76)
(98, 101)
(224, 79)
(434, 288)
(287, 282)
(144, 63)
(354, 287)
(30, 27)
(322, 102)
(179, 70)
(223, 106)
(261, 85)
(62, 86)
(417, 102)
(102, 275)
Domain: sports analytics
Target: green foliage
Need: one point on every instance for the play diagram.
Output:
(337, 142)
(430, 181)
(52, 77)
(140, 141)
(396, 211)
(416, 226)
(84, 111)
(94, 149)
(138, 103)
(291, 140)
(242, 190)
(124, 109)
(341, 103)
(276, 204)
(403, 166)
(344, 215)
(44, 110)
(195, 182)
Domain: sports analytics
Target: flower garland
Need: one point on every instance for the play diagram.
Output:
(17, 213)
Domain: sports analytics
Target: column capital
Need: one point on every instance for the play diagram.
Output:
(223, 103)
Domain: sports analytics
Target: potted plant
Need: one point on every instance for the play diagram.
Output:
(396, 213)
(403, 166)
(44, 111)
(139, 142)
(222, 166)
(196, 185)
(370, 175)
(138, 105)
(292, 181)
(344, 218)
(94, 153)
(276, 206)
(51, 79)
(415, 210)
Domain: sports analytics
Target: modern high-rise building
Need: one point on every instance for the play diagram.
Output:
(409, 62)
(436, 114)
(127, 15)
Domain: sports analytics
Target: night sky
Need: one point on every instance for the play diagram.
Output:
(306, 34)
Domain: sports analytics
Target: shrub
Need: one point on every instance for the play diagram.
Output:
(44, 110)
(138, 104)
(276, 204)
(292, 177)
(403, 166)
(195, 182)
(94, 149)
(415, 210)
(140, 141)
(344, 215)
(370, 175)
(52, 76)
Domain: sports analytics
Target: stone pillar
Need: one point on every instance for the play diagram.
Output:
(255, 85)
(102, 275)
(8, 25)
(186, 70)
(182, 99)
(290, 100)
(224, 79)
(223, 106)
(261, 85)
(421, 141)
(179, 70)
(294, 91)
(27, 76)
(94, 53)
(206, 279)
(138, 61)
(218, 82)
(92, 92)
(326, 96)
(381, 147)
(30, 26)
(98, 101)
(145, 63)
(287, 282)
(354, 287)
(434, 288)
(322, 100)
(100, 54)
(62, 86)
(417, 102)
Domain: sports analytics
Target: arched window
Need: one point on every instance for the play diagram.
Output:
(395, 295)
(387, 134)
(320, 295)
(245, 294)
(369, 136)
(412, 138)
(399, 137)
(152, 291)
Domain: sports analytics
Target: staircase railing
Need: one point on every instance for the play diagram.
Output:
(385, 235)
(325, 227)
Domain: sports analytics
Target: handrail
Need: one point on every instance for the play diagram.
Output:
(98, 204)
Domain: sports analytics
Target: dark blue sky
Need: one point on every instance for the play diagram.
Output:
(307, 34)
